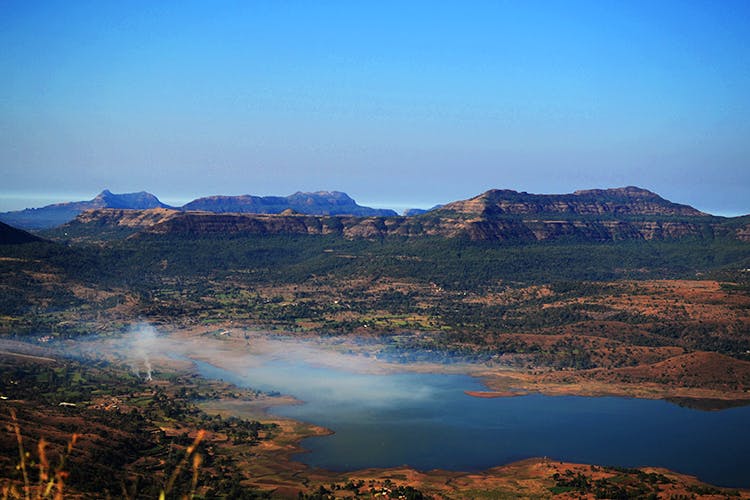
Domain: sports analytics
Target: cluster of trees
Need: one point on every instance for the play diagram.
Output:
(626, 484)
(373, 489)
(208, 279)
(449, 262)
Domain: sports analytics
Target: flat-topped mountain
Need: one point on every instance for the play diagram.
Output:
(135, 201)
(491, 206)
(60, 213)
(497, 215)
(317, 203)
(602, 202)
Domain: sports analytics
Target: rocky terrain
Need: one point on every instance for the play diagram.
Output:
(497, 215)
(318, 203)
(60, 213)
(665, 318)
(618, 201)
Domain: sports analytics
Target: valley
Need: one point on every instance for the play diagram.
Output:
(375, 250)
(481, 288)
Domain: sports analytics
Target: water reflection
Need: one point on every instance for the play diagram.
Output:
(427, 421)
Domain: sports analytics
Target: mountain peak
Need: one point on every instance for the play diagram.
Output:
(60, 213)
(323, 195)
(138, 201)
(629, 200)
(627, 191)
(315, 203)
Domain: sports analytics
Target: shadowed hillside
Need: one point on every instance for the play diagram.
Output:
(9, 235)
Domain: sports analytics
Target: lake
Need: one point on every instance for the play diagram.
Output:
(427, 421)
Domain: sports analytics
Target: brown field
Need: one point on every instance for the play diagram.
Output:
(647, 339)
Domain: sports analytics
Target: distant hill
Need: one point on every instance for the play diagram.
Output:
(10, 235)
(411, 212)
(60, 213)
(497, 215)
(318, 203)
(490, 207)
(629, 200)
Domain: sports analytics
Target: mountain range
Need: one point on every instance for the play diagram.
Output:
(318, 203)
(618, 214)
(625, 201)
(60, 213)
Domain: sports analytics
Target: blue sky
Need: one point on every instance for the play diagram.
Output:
(396, 103)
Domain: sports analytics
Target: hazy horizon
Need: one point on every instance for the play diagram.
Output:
(395, 104)
(21, 201)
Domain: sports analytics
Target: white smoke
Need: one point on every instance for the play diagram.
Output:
(342, 369)
(142, 338)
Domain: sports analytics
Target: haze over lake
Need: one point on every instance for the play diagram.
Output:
(428, 422)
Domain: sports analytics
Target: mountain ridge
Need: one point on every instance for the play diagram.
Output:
(317, 203)
(495, 215)
(630, 200)
(59, 213)
(313, 203)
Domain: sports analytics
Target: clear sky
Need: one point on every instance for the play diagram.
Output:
(396, 103)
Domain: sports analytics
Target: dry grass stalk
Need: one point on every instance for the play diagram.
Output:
(48, 482)
(21, 453)
(197, 460)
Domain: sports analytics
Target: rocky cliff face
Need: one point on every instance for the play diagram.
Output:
(599, 215)
(170, 222)
(743, 233)
(124, 218)
(204, 223)
(602, 202)
(318, 203)
(133, 201)
(60, 213)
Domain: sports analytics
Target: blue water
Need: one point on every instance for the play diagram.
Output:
(428, 422)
